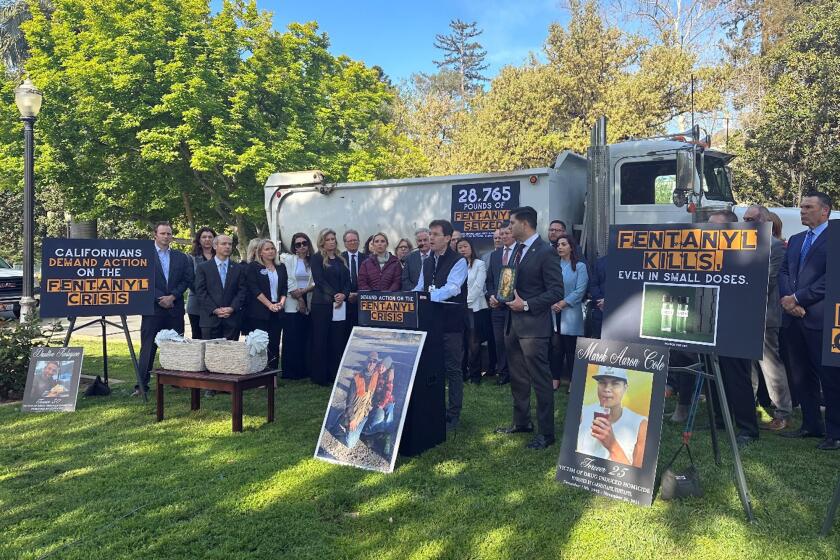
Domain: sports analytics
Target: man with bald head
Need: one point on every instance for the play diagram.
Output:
(771, 366)
(220, 288)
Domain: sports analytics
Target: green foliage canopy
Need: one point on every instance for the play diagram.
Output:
(158, 108)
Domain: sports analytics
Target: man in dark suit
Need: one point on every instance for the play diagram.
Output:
(770, 367)
(538, 284)
(502, 256)
(220, 288)
(802, 291)
(597, 295)
(353, 259)
(173, 276)
(414, 261)
(737, 374)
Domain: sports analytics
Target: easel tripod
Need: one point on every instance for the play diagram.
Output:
(709, 370)
(104, 322)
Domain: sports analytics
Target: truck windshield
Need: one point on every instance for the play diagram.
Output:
(716, 184)
(4, 264)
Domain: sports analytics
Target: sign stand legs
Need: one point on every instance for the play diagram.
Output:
(740, 479)
(708, 369)
(103, 322)
(832, 511)
(712, 426)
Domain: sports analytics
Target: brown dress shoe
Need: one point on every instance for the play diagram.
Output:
(775, 425)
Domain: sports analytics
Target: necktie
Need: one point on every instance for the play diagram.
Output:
(353, 274)
(223, 272)
(518, 256)
(506, 256)
(809, 239)
(164, 264)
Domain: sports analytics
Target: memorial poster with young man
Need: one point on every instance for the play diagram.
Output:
(97, 277)
(831, 329)
(614, 419)
(691, 287)
(52, 383)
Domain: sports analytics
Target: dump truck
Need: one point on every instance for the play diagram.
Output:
(671, 178)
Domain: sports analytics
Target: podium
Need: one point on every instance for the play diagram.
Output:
(425, 420)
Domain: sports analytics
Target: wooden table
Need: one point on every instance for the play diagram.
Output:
(233, 384)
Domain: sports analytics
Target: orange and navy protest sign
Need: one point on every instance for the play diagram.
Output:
(388, 309)
(89, 277)
(691, 287)
(831, 328)
(481, 208)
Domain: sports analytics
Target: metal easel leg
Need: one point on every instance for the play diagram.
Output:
(102, 323)
(70, 328)
(832, 511)
(710, 407)
(740, 479)
(133, 357)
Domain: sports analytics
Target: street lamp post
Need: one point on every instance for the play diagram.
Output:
(28, 99)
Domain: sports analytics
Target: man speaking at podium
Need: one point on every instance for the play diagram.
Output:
(538, 284)
(444, 276)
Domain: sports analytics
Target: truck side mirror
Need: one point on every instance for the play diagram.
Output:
(685, 176)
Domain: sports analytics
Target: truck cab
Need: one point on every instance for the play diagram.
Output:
(644, 178)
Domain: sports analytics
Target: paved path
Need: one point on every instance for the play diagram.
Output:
(95, 330)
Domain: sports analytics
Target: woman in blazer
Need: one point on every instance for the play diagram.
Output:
(295, 359)
(202, 250)
(381, 271)
(569, 310)
(478, 314)
(332, 287)
(267, 286)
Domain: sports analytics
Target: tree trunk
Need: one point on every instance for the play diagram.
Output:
(188, 212)
(242, 237)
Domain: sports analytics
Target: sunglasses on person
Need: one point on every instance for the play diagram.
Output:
(300, 244)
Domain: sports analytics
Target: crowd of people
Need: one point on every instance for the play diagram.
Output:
(308, 297)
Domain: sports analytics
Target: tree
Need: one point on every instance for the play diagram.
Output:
(463, 55)
(13, 46)
(186, 113)
(429, 112)
(791, 146)
(687, 24)
(530, 113)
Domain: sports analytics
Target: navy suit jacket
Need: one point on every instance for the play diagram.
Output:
(807, 283)
(212, 295)
(180, 279)
(539, 281)
(411, 271)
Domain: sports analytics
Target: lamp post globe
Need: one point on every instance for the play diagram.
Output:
(28, 99)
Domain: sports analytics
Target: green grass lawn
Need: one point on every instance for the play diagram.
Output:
(109, 482)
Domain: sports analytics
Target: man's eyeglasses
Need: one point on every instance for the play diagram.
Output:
(300, 244)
